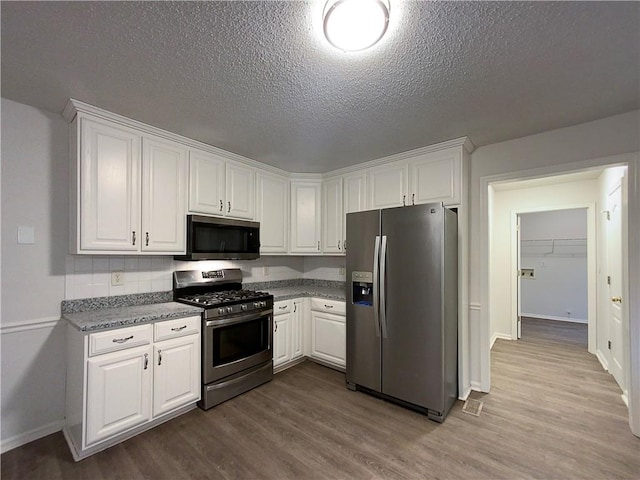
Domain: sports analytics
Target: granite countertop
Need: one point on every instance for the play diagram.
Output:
(285, 293)
(107, 318)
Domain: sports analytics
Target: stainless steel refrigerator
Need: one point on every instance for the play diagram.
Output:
(402, 306)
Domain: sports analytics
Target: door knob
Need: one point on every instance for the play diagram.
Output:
(616, 299)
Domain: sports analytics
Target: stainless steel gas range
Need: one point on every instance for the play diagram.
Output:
(237, 326)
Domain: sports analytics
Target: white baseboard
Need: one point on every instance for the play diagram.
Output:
(558, 319)
(603, 361)
(496, 336)
(475, 386)
(465, 394)
(625, 398)
(30, 436)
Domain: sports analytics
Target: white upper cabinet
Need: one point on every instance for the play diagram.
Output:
(240, 189)
(164, 185)
(220, 187)
(354, 199)
(305, 216)
(105, 187)
(436, 177)
(272, 211)
(388, 185)
(332, 217)
(206, 183)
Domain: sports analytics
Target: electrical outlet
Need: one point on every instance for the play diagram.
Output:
(265, 270)
(117, 278)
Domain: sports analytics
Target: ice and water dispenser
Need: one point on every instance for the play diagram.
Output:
(362, 285)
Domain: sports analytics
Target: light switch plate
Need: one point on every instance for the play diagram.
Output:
(26, 235)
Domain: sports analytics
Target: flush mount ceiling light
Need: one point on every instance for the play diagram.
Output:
(353, 25)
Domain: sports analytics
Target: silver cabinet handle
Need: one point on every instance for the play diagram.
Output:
(146, 360)
(133, 238)
(147, 239)
(344, 244)
(338, 244)
(229, 209)
(221, 205)
(413, 199)
(318, 245)
(282, 307)
(328, 306)
(295, 307)
(276, 326)
(122, 340)
(178, 329)
(404, 203)
(159, 357)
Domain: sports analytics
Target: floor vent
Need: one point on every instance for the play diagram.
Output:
(472, 407)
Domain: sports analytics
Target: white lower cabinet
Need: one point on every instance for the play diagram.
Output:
(297, 329)
(329, 332)
(124, 381)
(287, 332)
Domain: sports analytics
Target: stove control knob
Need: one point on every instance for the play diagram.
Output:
(256, 304)
(221, 311)
(263, 304)
(244, 307)
(229, 309)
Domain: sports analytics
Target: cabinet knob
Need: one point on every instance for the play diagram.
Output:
(133, 238)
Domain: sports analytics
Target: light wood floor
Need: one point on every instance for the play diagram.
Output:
(552, 414)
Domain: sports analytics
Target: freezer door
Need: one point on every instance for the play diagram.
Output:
(363, 331)
(412, 368)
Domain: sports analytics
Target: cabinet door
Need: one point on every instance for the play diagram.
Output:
(436, 177)
(296, 330)
(388, 185)
(176, 373)
(273, 212)
(206, 183)
(328, 337)
(332, 220)
(118, 392)
(240, 189)
(164, 184)
(109, 187)
(355, 199)
(305, 216)
(281, 339)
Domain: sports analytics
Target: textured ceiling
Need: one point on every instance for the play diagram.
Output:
(258, 78)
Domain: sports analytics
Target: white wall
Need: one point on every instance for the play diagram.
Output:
(34, 193)
(505, 205)
(587, 144)
(558, 291)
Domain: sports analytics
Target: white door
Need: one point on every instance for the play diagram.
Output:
(206, 183)
(110, 188)
(519, 282)
(355, 199)
(240, 189)
(272, 212)
(281, 339)
(176, 373)
(332, 218)
(296, 330)
(388, 186)
(435, 177)
(118, 392)
(614, 263)
(328, 337)
(305, 216)
(164, 185)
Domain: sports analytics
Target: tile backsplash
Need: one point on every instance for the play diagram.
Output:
(89, 276)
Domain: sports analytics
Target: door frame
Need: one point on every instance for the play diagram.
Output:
(632, 161)
(592, 276)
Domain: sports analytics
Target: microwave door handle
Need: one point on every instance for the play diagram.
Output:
(376, 284)
(383, 287)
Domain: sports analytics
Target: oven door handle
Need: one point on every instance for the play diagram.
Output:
(224, 322)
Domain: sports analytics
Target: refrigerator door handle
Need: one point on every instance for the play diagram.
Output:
(376, 284)
(383, 292)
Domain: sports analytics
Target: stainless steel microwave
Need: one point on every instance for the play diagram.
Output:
(212, 238)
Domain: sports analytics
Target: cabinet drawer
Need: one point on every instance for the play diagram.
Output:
(281, 307)
(330, 306)
(178, 327)
(114, 340)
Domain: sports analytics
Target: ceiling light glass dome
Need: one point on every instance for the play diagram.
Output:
(353, 25)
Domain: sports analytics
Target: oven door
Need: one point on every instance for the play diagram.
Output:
(233, 344)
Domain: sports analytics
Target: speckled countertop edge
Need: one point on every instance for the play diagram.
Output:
(286, 293)
(109, 318)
